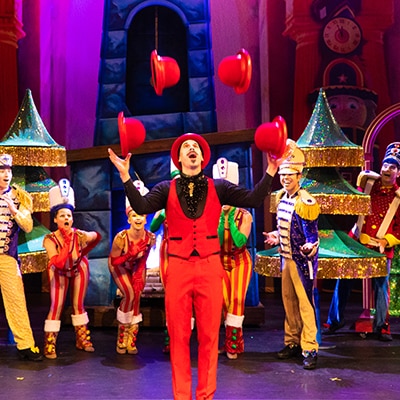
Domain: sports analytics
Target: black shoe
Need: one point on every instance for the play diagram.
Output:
(383, 333)
(289, 351)
(333, 327)
(31, 354)
(310, 359)
(385, 337)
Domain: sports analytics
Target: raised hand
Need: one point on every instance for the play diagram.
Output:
(10, 203)
(122, 164)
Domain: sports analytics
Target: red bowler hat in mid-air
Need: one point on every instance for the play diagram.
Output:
(235, 71)
(131, 133)
(165, 72)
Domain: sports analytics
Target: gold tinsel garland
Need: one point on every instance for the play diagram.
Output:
(33, 262)
(333, 156)
(328, 268)
(335, 204)
(41, 202)
(37, 156)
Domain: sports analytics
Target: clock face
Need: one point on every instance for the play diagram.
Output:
(342, 35)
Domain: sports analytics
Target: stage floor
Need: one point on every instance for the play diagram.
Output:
(349, 366)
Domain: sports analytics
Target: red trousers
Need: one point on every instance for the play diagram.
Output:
(194, 284)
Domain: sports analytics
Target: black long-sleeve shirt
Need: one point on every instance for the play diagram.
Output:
(228, 194)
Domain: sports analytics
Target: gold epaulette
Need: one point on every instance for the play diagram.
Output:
(279, 195)
(24, 198)
(306, 206)
(49, 236)
(120, 239)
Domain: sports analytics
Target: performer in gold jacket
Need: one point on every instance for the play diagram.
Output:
(16, 209)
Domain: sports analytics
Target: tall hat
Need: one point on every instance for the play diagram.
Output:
(176, 146)
(139, 185)
(62, 196)
(294, 164)
(5, 161)
(392, 154)
(224, 169)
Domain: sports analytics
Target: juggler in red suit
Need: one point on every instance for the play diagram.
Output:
(194, 276)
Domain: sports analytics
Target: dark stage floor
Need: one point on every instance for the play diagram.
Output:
(349, 366)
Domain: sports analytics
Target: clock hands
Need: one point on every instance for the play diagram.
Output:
(341, 35)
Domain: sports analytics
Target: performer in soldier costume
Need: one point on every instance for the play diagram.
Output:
(380, 231)
(297, 234)
(16, 208)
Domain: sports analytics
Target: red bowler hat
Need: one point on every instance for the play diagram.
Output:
(131, 133)
(205, 149)
(235, 71)
(165, 72)
(271, 137)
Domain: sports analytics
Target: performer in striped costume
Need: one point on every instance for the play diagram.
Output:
(127, 264)
(15, 214)
(233, 231)
(297, 234)
(68, 266)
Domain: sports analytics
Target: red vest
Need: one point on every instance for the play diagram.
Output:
(187, 234)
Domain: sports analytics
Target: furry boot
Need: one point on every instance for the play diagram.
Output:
(124, 326)
(83, 339)
(234, 342)
(51, 329)
(132, 334)
(122, 339)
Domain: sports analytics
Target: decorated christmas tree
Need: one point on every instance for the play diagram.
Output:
(32, 149)
(326, 149)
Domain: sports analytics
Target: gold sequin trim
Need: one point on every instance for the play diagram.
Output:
(336, 204)
(328, 268)
(41, 202)
(33, 262)
(333, 156)
(32, 156)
